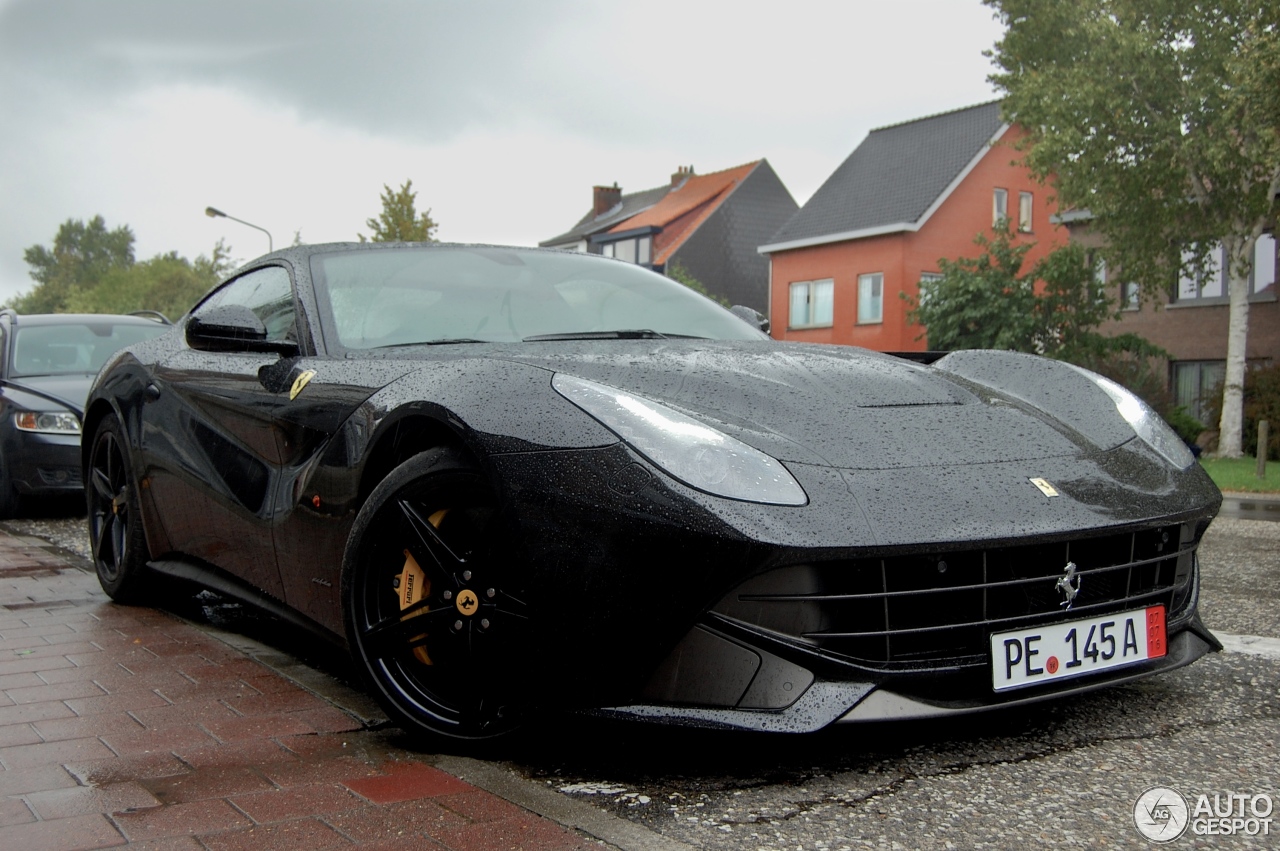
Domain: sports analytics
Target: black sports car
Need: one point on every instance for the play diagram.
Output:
(517, 478)
(47, 362)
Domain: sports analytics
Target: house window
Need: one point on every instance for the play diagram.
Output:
(999, 206)
(1130, 296)
(870, 298)
(636, 250)
(1099, 278)
(927, 281)
(812, 304)
(1024, 212)
(1194, 386)
(1204, 283)
(1264, 264)
(1212, 282)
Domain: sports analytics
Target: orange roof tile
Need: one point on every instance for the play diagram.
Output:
(700, 190)
(697, 190)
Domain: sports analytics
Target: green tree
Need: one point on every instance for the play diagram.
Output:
(81, 256)
(677, 272)
(167, 282)
(1161, 117)
(399, 220)
(988, 302)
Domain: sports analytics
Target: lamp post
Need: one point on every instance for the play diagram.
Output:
(215, 213)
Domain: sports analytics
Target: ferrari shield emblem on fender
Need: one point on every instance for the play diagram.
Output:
(300, 382)
(1045, 488)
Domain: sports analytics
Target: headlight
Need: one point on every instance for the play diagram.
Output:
(693, 452)
(61, 423)
(1146, 423)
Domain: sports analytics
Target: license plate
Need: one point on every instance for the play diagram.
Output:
(1060, 651)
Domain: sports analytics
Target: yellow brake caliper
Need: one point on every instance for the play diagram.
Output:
(412, 585)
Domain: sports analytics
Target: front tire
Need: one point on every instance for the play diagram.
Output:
(431, 614)
(115, 522)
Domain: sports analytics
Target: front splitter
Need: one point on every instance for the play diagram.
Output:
(826, 703)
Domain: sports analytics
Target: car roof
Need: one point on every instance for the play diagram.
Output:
(29, 319)
(298, 252)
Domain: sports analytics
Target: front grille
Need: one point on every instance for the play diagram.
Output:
(916, 610)
(60, 475)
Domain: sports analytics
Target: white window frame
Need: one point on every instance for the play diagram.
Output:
(868, 296)
(1130, 296)
(926, 278)
(1208, 284)
(639, 247)
(1026, 206)
(1099, 277)
(812, 289)
(1264, 264)
(999, 205)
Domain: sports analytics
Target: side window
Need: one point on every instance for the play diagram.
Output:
(268, 293)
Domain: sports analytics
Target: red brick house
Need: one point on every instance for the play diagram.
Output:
(708, 224)
(908, 195)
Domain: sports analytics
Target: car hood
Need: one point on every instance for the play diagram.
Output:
(37, 392)
(834, 406)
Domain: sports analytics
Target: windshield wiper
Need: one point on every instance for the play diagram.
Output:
(630, 334)
(445, 341)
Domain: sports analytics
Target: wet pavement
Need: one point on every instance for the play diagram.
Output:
(1064, 773)
(128, 726)
(1251, 507)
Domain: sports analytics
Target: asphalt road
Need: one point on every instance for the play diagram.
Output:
(1065, 774)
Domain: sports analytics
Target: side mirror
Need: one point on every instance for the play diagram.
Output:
(751, 316)
(233, 328)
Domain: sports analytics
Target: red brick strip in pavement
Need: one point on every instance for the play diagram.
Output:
(125, 726)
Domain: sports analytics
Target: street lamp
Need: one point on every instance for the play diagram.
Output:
(214, 213)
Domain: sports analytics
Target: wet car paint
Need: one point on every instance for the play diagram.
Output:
(239, 476)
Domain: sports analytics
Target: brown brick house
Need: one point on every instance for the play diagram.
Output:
(1190, 320)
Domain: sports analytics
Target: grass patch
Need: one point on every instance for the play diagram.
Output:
(1240, 474)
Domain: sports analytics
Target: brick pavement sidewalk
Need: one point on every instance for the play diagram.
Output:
(128, 726)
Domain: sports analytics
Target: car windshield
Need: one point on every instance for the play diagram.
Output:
(77, 347)
(461, 294)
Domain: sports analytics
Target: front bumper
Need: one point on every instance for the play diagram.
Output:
(623, 565)
(843, 702)
(43, 464)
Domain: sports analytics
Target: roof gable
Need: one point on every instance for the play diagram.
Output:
(660, 207)
(895, 178)
(697, 190)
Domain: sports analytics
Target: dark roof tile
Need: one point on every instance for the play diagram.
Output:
(632, 204)
(895, 174)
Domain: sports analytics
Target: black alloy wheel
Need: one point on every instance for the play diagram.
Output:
(430, 612)
(115, 524)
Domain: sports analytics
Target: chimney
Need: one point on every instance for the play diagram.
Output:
(605, 198)
(682, 174)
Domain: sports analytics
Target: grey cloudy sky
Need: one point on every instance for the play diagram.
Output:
(292, 114)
